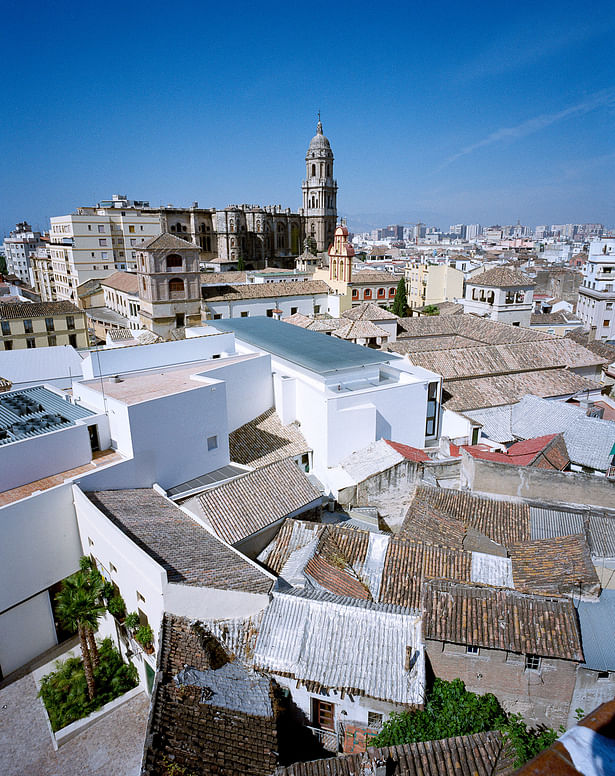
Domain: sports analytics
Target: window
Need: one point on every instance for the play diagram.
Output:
(131, 228)
(293, 310)
(606, 322)
(27, 326)
(112, 567)
(392, 291)
(49, 324)
(217, 316)
(602, 675)
(472, 650)
(212, 443)
(90, 542)
(89, 227)
(510, 297)
(180, 320)
(140, 597)
(355, 293)
(532, 662)
(244, 314)
(8, 344)
(176, 288)
(316, 308)
(101, 228)
(133, 241)
(6, 328)
(52, 340)
(270, 312)
(174, 261)
(323, 714)
(432, 409)
(30, 342)
(102, 242)
(374, 720)
(70, 321)
(381, 293)
(516, 323)
(72, 340)
(367, 294)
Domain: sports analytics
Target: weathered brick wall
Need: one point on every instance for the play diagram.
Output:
(202, 738)
(542, 697)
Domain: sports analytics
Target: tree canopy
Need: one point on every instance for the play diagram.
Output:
(451, 710)
(400, 305)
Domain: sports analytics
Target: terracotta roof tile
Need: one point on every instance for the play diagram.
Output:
(264, 440)
(38, 309)
(264, 290)
(127, 282)
(502, 277)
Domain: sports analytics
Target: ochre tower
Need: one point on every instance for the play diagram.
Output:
(169, 284)
(319, 191)
(341, 254)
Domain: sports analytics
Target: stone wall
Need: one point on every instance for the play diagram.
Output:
(591, 690)
(542, 697)
(532, 483)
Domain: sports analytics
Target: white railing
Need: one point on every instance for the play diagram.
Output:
(328, 739)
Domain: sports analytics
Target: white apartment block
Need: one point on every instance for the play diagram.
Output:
(95, 242)
(21, 242)
(596, 302)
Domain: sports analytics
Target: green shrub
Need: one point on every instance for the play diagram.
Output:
(117, 606)
(451, 710)
(65, 692)
(108, 590)
(145, 635)
(132, 621)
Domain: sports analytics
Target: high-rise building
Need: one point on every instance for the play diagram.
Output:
(458, 229)
(596, 304)
(18, 246)
(472, 231)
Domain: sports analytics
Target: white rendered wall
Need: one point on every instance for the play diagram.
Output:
(40, 544)
(41, 456)
(258, 307)
(25, 632)
(114, 361)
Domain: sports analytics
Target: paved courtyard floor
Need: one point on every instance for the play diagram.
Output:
(111, 747)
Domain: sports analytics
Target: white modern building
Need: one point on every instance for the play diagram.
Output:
(343, 395)
(596, 301)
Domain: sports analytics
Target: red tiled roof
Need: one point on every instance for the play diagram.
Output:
(410, 453)
(547, 452)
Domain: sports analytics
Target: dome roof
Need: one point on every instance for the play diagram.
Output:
(319, 141)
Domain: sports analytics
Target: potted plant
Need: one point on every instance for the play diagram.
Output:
(132, 622)
(145, 637)
(117, 607)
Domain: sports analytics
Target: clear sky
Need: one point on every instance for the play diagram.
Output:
(448, 112)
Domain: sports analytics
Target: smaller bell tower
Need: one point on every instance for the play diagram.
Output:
(341, 254)
(169, 284)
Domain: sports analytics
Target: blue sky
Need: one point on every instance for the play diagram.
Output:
(458, 112)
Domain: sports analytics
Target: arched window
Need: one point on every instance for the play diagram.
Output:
(334, 269)
(367, 294)
(341, 270)
(328, 169)
(176, 288)
(355, 293)
(174, 261)
(381, 293)
(143, 283)
(391, 292)
(172, 227)
(178, 227)
(313, 171)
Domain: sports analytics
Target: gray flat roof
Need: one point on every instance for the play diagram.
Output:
(596, 620)
(310, 349)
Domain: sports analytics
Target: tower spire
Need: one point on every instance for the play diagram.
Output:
(319, 125)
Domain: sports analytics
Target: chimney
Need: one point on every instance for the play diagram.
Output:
(277, 313)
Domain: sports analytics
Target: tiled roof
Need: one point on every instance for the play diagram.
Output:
(38, 309)
(368, 311)
(494, 391)
(243, 506)
(370, 276)
(265, 290)
(505, 359)
(545, 452)
(189, 554)
(298, 319)
(502, 521)
(482, 330)
(481, 754)
(127, 282)
(502, 277)
(501, 619)
(166, 242)
(210, 715)
(409, 453)
(264, 440)
(222, 278)
(598, 526)
(557, 566)
(362, 329)
(88, 288)
(554, 319)
(118, 335)
(582, 337)
(325, 641)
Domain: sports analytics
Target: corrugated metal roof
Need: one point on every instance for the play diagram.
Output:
(491, 570)
(597, 621)
(33, 411)
(602, 536)
(599, 529)
(41, 365)
(344, 644)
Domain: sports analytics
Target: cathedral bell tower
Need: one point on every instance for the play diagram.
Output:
(319, 191)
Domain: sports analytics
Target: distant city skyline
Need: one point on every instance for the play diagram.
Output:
(466, 114)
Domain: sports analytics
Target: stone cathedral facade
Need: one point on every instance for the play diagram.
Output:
(258, 234)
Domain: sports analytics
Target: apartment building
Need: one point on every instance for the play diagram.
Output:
(95, 242)
(22, 241)
(41, 271)
(432, 283)
(41, 325)
(596, 301)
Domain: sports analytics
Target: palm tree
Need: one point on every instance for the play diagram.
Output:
(79, 609)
